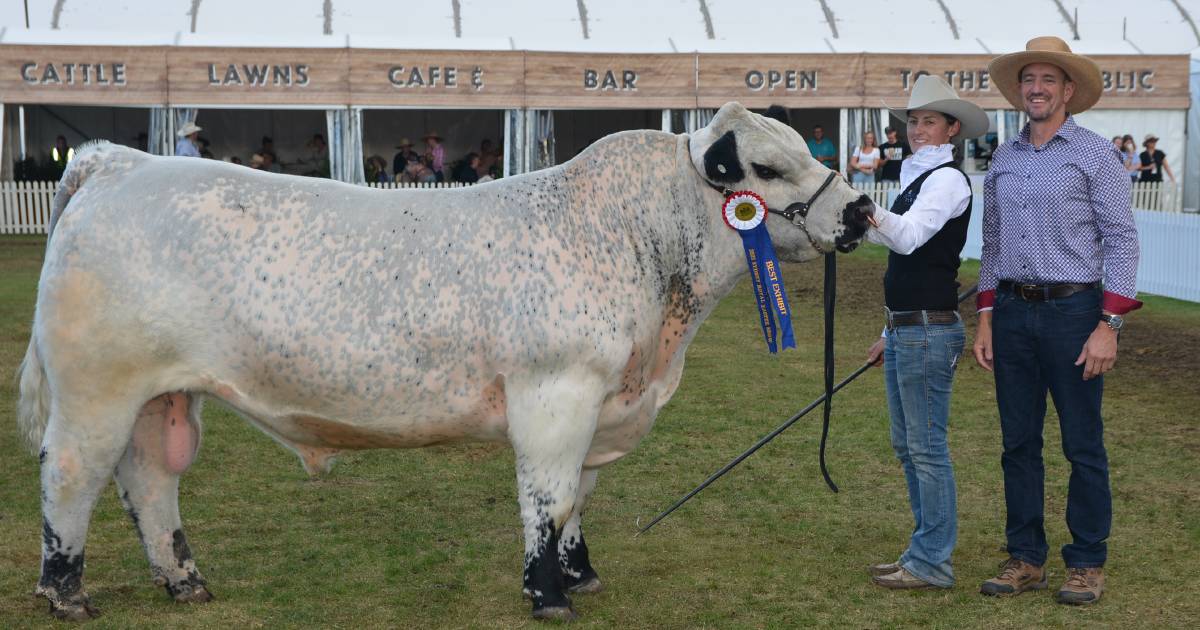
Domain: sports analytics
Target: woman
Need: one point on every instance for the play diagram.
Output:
(1129, 157)
(1153, 161)
(864, 161)
(923, 335)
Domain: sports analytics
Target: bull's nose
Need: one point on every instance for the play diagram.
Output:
(856, 218)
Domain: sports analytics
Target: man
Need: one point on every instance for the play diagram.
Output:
(1059, 262)
(400, 160)
(894, 151)
(188, 146)
(821, 148)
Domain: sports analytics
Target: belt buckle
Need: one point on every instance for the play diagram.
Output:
(887, 319)
(1027, 290)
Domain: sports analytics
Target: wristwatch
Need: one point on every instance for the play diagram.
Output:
(1114, 321)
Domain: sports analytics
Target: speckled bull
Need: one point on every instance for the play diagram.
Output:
(551, 310)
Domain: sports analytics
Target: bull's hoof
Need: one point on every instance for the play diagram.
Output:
(192, 594)
(74, 611)
(555, 613)
(587, 586)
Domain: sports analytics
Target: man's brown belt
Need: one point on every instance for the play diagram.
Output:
(919, 318)
(1044, 292)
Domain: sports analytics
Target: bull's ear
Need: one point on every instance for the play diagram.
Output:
(721, 162)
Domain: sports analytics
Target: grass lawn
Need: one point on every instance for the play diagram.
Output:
(431, 538)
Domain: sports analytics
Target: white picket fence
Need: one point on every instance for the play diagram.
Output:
(1154, 196)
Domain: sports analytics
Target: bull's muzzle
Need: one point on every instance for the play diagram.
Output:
(855, 221)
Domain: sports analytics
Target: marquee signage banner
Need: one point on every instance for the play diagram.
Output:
(83, 74)
(437, 78)
(267, 76)
(182, 75)
(610, 80)
(1130, 82)
(790, 80)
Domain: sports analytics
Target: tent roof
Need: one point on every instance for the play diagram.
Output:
(745, 26)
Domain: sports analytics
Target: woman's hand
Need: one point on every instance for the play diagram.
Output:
(875, 353)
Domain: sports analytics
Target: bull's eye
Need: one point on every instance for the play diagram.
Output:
(765, 172)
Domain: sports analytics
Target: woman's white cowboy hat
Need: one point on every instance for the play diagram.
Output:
(188, 129)
(933, 93)
(1005, 72)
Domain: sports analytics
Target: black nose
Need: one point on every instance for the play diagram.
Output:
(855, 220)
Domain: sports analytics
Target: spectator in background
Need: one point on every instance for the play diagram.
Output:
(188, 146)
(61, 154)
(233, 159)
(318, 157)
(488, 158)
(780, 113)
(1153, 161)
(269, 162)
(864, 161)
(1129, 157)
(202, 144)
(822, 148)
(466, 171)
(892, 153)
(257, 161)
(416, 172)
(376, 169)
(268, 145)
(401, 157)
(436, 154)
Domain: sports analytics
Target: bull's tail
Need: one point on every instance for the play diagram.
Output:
(87, 159)
(33, 406)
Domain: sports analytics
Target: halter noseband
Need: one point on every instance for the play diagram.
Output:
(797, 212)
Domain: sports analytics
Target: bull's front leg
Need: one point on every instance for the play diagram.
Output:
(551, 423)
(577, 569)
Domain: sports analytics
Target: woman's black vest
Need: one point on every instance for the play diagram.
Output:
(927, 279)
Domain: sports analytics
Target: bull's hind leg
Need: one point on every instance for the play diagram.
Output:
(551, 423)
(80, 448)
(577, 570)
(164, 443)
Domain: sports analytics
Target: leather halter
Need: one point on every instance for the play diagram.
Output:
(797, 212)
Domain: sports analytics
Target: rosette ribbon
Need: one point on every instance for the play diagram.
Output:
(746, 213)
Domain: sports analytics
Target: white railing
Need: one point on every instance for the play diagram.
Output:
(1153, 196)
(399, 185)
(25, 206)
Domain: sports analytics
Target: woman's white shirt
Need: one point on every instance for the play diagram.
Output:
(868, 159)
(944, 195)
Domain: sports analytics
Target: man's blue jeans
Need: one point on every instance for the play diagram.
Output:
(919, 364)
(1035, 345)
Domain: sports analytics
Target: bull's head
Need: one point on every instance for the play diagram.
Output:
(740, 150)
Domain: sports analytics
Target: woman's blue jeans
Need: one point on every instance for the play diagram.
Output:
(919, 365)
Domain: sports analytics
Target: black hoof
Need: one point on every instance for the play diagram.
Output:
(586, 586)
(555, 613)
(188, 594)
(82, 611)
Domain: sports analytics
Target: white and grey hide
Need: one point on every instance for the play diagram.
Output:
(549, 310)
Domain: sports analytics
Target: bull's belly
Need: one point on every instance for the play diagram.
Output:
(627, 416)
(393, 419)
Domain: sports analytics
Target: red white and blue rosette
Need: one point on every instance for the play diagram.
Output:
(746, 213)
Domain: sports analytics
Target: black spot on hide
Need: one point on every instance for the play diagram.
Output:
(180, 547)
(721, 162)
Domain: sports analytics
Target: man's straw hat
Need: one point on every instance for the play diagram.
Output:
(1005, 72)
(933, 93)
(188, 129)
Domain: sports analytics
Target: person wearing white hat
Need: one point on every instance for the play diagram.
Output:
(1057, 272)
(187, 145)
(926, 229)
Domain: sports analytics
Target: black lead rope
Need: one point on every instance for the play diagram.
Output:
(830, 299)
(780, 429)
